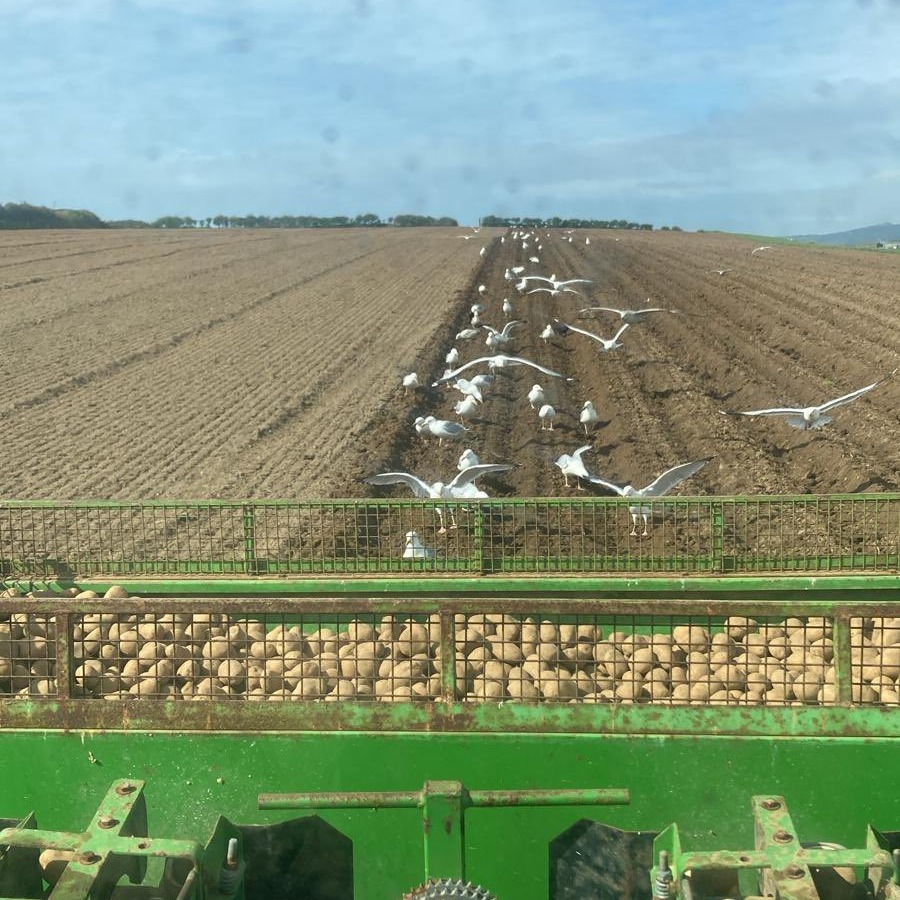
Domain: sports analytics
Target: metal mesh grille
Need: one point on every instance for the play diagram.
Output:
(647, 659)
(860, 533)
(185, 656)
(27, 655)
(875, 656)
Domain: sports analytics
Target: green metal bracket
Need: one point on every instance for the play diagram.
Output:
(444, 805)
(778, 866)
(115, 844)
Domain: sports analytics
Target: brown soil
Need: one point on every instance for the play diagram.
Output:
(268, 363)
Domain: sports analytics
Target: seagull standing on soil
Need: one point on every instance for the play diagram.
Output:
(507, 308)
(588, 416)
(466, 408)
(466, 333)
(469, 389)
(444, 429)
(547, 414)
(499, 361)
(482, 251)
(536, 396)
(410, 381)
(605, 345)
(483, 381)
(460, 488)
(495, 338)
(482, 288)
(547, 333)
(658, 488)
(810, 417)
(452, 357)
(572, 464)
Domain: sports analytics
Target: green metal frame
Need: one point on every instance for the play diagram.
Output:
(695, 535)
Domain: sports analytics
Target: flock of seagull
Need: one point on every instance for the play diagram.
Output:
(483, 371)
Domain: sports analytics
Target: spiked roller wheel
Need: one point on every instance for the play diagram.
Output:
(449, 889)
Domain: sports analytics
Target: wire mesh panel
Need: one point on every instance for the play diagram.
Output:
(211, 656)
(628, 659)
(875, 660)
(27, 655)
(579, 535)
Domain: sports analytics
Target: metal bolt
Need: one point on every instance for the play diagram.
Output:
(794, 871)
(89, 858)
(124, 789)
(782, 836)
(771, 804)
(107, 822)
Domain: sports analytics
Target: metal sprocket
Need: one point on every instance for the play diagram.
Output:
(449, 889)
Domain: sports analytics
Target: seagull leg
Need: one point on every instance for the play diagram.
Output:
(578, 484)
(453, 524)
(566, 479)
(634, 518)
(644, 517)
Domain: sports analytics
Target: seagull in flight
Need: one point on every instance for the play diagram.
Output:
(611, 344)
(810, 417)
(555, 283)
(760, 249)
(554, 292)
(719, 271)
(629, 316)
(499, 361)
(462, 487)
(658, 488)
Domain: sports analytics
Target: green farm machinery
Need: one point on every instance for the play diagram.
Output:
(334, 700)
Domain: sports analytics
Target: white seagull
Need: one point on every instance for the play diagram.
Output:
(588, 416)
(410, 381)
(547, 333)
(719, 271)
(482, 251)
(611, 344)
(466, 408)
(452, 357)
(443, 428)
(555, 292)
(629, 316)
(460, 488)
(760, 249)
(477, 308)
(658, 488)
(547, 414)
(533, 259)
(499, 361)
(495, 338)
(483, 381)
(536, 396)
(572, 464)
(467, 459)
(469, 389)
(555, 283)
(507, 308)
(467, 333)
(810, 417)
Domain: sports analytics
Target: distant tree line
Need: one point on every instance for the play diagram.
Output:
(24, 215)
(557, 222)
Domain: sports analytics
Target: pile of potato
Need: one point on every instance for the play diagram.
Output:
(499, 658)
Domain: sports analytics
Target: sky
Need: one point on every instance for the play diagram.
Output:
(768, 117)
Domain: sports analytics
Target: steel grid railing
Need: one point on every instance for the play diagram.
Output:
(535, 652)
(592, 535)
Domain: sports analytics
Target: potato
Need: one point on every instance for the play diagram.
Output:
(691, 638)
(116, 592)
(413, 639)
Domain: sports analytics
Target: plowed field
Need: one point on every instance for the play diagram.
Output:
(268, 363)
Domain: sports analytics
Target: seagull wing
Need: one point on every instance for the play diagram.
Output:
(590, 334)
(847, 398)
(416, 485)
(602, 309)
(615, 488)
(574, 281)
(469, 475)
(619, 333)
(580, 450)
(775, 411)
(536, 278)
(509, 325)
(521, 361)
(673, 476)
(449, 376)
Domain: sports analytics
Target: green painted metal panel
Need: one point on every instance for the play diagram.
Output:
(704, 783)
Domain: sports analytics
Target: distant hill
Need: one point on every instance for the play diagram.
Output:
(869, 235)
